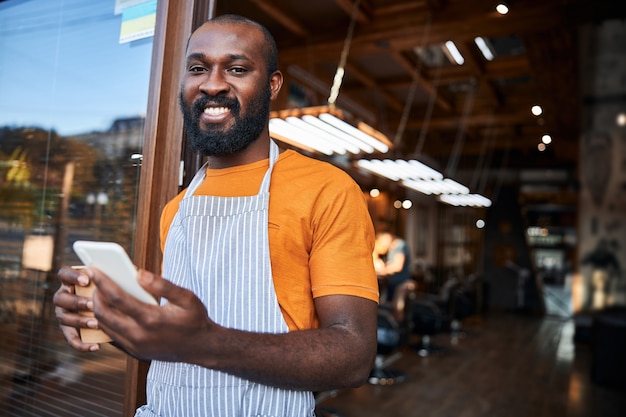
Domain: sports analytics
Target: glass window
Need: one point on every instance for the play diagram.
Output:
(73, 91)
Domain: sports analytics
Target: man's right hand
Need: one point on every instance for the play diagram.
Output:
(68, 306)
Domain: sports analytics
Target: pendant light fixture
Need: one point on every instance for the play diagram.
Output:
(327, 129)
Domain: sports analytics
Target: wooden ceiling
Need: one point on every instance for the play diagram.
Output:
(464, 118)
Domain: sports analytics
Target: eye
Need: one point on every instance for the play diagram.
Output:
(196, 68)
(237, 70)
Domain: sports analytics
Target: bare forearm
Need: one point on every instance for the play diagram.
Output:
(306, 360)
(313, 360)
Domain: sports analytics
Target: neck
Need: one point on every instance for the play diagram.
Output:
(257, 151)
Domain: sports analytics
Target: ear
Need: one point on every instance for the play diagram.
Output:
(276, 82)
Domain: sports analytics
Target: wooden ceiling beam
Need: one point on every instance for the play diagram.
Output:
(500, 68)
(282, 18)
(508, 85)
(478, 68)
(401, 8)
(371, 83)
(488, 119)
(363, 14)
(406, 30)
(430, 89)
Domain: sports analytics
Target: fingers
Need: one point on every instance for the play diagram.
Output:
(73, 339)
(111, 296)
(67, 303)
(119, 313)
(70, 323)
(162, 288)
(73, 276)
(69, 306)
(147, 331)
(74, 312)
(66, 296)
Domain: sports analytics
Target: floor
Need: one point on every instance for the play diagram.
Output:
(506, 365)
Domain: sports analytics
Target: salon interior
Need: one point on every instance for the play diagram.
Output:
(489, 136)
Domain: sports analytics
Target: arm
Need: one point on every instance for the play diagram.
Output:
(338, 354)
(379, 266)
(394, 265)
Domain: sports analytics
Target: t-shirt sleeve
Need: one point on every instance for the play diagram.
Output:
(167, 217)
(343, 242)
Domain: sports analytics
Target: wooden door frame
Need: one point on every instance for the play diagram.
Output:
(162, 149)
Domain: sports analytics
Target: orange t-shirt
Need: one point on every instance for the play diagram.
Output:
(320, 232)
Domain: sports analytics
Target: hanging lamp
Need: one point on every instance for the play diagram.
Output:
(327, 129)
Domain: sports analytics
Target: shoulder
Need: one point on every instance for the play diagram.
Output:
(169, 211)
(402, 246)
(291, 159)
(302, 169)
(172, 205)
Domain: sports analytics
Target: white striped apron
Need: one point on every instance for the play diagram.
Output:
(218, 247)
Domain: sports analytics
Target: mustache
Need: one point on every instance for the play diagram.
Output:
(216, 101)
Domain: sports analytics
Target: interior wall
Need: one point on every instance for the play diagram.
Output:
(602, 205)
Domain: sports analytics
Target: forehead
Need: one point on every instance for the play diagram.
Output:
(226, 38)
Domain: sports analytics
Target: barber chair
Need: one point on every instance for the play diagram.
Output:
(323, 411)
(456, 300)
(326, 413)
(390, 338)
(462, 304)
(392, 334)
(426, 321)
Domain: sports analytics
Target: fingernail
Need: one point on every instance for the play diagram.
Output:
(94, 348)
(145, 277)
(92, 324)
(89, 305)
(83, 280)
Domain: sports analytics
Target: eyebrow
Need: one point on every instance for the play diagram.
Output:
(196, 55)
(239, 57)
(201, 56)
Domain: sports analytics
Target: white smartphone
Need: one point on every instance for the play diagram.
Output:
(112, 260)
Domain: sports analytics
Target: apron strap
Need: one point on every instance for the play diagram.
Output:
(265, 185)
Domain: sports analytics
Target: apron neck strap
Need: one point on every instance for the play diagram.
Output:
(265, 185)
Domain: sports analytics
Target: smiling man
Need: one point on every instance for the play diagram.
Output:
(268, 290)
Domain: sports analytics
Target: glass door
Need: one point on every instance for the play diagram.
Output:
(74, 78)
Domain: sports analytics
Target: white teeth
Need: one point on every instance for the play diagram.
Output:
(215, 111)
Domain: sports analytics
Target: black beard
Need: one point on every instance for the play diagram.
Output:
(217, 142)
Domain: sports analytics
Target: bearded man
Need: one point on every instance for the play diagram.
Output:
(268, 291)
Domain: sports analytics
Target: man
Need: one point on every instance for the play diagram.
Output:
(244, 327)
(392, 260)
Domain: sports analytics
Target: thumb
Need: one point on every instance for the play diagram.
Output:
(159, 287)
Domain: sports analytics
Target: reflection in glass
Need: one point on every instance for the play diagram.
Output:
(71, 124)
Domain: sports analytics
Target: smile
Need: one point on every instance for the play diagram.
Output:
(216, 111)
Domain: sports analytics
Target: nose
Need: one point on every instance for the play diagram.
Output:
(214, 83)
